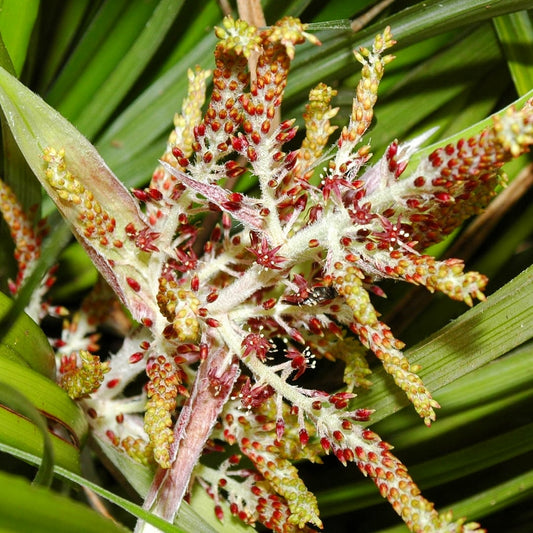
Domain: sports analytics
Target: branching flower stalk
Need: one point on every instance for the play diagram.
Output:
(227, 322)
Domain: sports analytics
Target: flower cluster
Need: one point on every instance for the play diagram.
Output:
(236, 296)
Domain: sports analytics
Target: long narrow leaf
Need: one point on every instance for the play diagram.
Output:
(477, 337)
(46, 396)
(515, 32)
(17, 18)
(102, 47)
(413, 24)
(22, 340)
(190, 520)
(60, 29)
(150, 116)
(520, 488)
(12, 398)
(127, 71)
(27, 508)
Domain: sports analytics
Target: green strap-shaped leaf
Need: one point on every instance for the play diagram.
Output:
(23, 341)
(188, 520)
(108, 96)
(490, 501)
(490, 329)
(12, 398)
(27, 508)
(515, 32)
(46, 396)
(483, 395)
(18, 432)
(66, 24)
(413, 24)
(17, 18)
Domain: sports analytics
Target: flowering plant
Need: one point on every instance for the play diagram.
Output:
(237, 296)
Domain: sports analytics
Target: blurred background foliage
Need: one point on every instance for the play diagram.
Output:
(117, 70)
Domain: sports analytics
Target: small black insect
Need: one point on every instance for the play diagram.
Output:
(318, 295)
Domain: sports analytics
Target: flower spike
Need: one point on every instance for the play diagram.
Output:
(235, 296)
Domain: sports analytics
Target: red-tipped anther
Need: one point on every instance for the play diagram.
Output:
(304, 437)
(443, 197)
(291, 159)
(133, 284)
(297, 336)
(204, 350)
(112, 383)
(177, 152)
(392, 150)
(112, 437)
(195, 283)
(269, 304)
(211, 297)
(155, 194)
(141, 195)
(363, 415)
(239, 143)
(226, 221)
(130, 230)
(136, 357)
(219, 513)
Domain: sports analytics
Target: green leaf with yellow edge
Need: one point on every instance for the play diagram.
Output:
(187, 521)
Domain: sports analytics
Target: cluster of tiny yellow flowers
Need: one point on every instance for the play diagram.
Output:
(365, 96)
(180, 306)
(96, 224)
(162, 393)
(80, 381)
(27, 241)
(317, 116)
